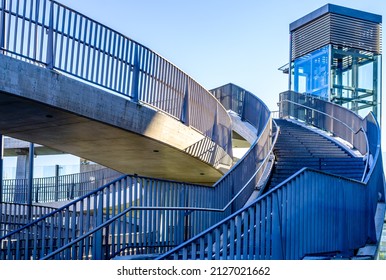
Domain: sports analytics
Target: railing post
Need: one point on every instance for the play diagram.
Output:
(98, 236)
(37, 193)
(242, 111)
(277, 241)
(72, 192)
(37, 7)
(215, 125)
(56, 182)
(185, 107)
(229, 147)
(50, 41)
(135, 84)
(181, 220)
(2, 24)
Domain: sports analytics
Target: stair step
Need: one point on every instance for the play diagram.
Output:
(298, 147)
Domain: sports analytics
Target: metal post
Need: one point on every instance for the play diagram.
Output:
(215, 136)
(242, 111)
(376, 91)
(355, 80)
(37, 8)
(185, 106)
(135, 84)
(50, 41)
(379, 91)
(1, 167)
(2, 25)
(30, 179)
(98, 235)
(56, 182)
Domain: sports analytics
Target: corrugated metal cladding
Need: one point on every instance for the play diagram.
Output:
(337, 30)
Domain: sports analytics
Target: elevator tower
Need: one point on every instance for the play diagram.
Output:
(335, 54)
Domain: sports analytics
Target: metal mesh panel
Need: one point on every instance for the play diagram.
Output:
(337, 30)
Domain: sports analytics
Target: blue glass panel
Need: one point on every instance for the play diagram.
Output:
(311, 73)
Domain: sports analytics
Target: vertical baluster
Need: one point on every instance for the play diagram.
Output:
(7, 38)
(146, 221)
(117, 62)
(251, 241)
(128, 66)
(16, 28)
(78, 43)
(68, 42)
(30, 32)
(59, 36)
(120, 64)
(115, 206)
(104, 53)
(98, 52)
(110, 55)
(2, 24)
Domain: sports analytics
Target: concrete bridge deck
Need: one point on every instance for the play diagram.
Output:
(64, 114)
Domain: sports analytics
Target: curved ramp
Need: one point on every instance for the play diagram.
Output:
(51, 109)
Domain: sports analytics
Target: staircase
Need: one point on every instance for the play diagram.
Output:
(299, 147)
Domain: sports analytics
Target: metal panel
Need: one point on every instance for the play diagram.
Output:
(339, 30)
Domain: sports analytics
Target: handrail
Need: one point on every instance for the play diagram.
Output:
(353, 131)
(278, 227)
(323, 113)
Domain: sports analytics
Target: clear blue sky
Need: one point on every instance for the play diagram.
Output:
(217, 41)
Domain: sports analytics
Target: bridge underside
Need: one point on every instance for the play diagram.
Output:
(110, 146)
(121, 150)
(64, 114)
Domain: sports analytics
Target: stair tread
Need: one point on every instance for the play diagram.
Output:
(298, 147)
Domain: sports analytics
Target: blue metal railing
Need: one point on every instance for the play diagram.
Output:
(292, 220)
(57, 188)
(52, 35)
(13, 215)
(77, 218)
(309, 213)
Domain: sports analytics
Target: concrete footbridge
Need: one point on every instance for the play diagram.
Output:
(310, 184)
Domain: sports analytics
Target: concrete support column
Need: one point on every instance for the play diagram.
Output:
(24, 175)
(30, 179)
(20, 195)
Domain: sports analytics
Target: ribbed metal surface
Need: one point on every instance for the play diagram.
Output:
(338, 30)
(310, 37)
